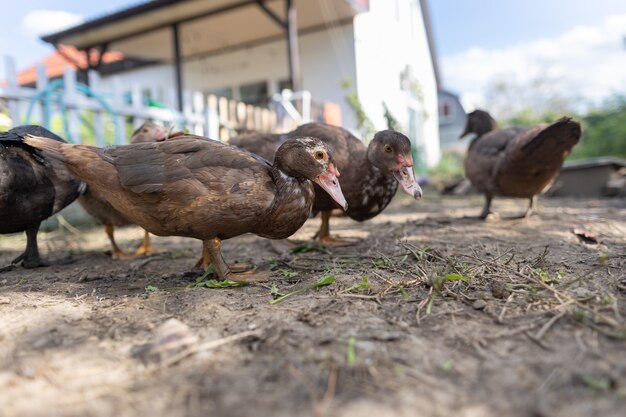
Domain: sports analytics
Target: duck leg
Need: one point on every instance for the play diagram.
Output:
(529, 210)
(486, 207)
(323, 235)
(212, 248)
(116, 252)
(30, 258)
(145, 248)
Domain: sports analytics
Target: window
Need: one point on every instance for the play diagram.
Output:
(226, 92)
(447, 111)
(284, 84)
(255, 93)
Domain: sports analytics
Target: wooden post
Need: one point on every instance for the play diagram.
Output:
(11, 76)
(213, 121)
(199, 127)
(42, 84)
(98, 124)
(293, 50)
(178, 66)
(137, 103)
(120, 120)
(70, 100)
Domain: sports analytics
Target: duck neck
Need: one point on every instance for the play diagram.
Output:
(373, 174)
(291, 206)
(376, 189)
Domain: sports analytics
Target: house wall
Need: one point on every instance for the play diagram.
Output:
(393, 65)
(383, 51)
(451, 125)
(326, 58)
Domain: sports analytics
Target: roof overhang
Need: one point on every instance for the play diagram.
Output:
(205, 26)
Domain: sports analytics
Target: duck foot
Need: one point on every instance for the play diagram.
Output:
(337, 242)
(212, 255)
(121, 255)
(324, 237)
(30, 263)
(530, 211)
(145, 248)
(7, 268)
(522, 216)
(485, 216)
(236, 268)
(249, 276)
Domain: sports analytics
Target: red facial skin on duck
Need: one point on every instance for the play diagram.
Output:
(403, 173)
(175, 134)
(328, 181)
(164, 134)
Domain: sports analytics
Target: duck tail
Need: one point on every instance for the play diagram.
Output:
(51, 147)
(554, 142)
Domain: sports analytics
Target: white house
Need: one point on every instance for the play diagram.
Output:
(249, 50)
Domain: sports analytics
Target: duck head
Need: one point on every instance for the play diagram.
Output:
(478, 122)
(390, 151)
(152, 132)
(310, 158)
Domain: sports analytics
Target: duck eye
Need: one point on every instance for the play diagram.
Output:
(319, 155)
(388, 149)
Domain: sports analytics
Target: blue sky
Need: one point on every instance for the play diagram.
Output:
(19, 39)
(578, 43)
(460, 25)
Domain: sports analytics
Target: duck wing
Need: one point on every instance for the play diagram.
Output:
(484, 156)
(533, 158)
(262, 144)
(192, 186)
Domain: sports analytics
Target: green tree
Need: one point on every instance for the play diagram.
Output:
(604, 131)
(363, 121)
(392, 122)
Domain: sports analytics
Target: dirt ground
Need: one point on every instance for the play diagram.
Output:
(455, 317)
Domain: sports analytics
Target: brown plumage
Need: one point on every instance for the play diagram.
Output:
(516, 161)
(32, 188)
(369, 174)
(101, 210)
(262, 144)
(204, 189)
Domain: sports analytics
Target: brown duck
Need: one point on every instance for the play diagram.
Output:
(204, 189)
(100, 209)
(516, 161)
(369, 174)
(262, 144)
(33, 187)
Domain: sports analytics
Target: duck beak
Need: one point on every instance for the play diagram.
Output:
(329, 182)
(175, 134)
(465, 132)
(406, 178)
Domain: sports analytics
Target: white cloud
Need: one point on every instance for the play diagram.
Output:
(42, 22)
(587, 62)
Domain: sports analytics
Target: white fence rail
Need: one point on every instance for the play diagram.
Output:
(85, 113)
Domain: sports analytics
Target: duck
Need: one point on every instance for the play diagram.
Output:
(101, 210)
(516, 161)
(33, 187)
(259, 143)
(204, 189)
(370, 175)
